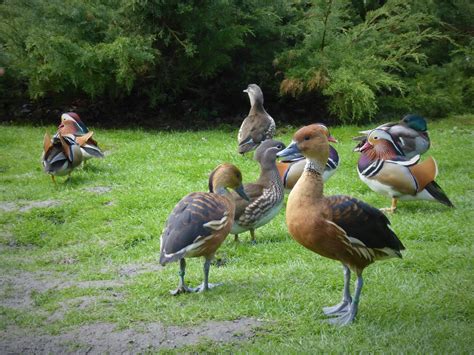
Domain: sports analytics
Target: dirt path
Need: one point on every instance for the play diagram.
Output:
(16, 291)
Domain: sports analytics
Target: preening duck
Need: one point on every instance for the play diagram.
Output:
(258, 125)
(342, 228)
(410, 134)
(385, 170)
(266, 194)
(291, 168)
(74, 125)
(62, 153)
(199, 224)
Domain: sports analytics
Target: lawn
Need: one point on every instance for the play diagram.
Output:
(79, 260)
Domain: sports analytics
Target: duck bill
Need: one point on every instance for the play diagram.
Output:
(240, 190)
(365, 147)
(332, 139)
(289, 152)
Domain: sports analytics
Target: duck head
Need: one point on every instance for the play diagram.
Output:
(69, 127)
(266, 152)
(416, 122)
(255, 94)
(380, 145)
(226, 176)
(312, 142)
(74, 117)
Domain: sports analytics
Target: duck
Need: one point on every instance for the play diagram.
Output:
(61, 154)
(266, 194)
(384, 168)
(291, 168)
(90, 148)
(410, 134)
(339, 227)
(258, 125)
(199, 223)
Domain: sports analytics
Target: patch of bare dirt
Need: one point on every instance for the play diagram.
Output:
(25, 206)
(16, 289)
(105, 338)
(98, 189)
(131, 270)
(82, 303)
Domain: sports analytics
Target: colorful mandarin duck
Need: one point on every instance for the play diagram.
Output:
(199, 224)
(266, 194)
(258, 125)
(291, 168)
(385, 170)
(62, 154)
(410, 134)
(342, 228)
(89, 146)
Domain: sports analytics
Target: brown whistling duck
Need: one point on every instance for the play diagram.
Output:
(266, 194)
(342, 228)
(199, 224)
(258, 125)
(385, 170)
(410, 134)
(291, 168)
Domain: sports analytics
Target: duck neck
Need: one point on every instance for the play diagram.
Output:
(269, 173)
(256, 103)
(313, 178)
(221, 190)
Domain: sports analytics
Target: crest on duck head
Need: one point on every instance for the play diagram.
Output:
(381, 138)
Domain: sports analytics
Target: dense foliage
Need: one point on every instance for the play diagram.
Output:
(357, 59)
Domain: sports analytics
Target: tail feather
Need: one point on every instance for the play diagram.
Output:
(437, 192)
(169, 258)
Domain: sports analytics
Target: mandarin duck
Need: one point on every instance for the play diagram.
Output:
(75, 126)
(199, 224)
(258, 125)
(266, 194)
(385, 170)
(291, 168)
(410, 134)
(61, 154)
(342, 228)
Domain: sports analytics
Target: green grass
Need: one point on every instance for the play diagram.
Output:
(423, 303)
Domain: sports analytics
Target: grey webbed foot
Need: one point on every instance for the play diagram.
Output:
(202, 287)
(339, 308)
(180, 290)
(345, 318)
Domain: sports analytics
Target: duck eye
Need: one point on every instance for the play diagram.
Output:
(279, 146)
(306, 138)
(376, 137)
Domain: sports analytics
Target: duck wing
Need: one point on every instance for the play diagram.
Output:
(195, 218)
(362, 223)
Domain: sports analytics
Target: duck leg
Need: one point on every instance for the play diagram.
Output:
(252, 236)
(236, 238)
(392, 208)
(182, 288)
(54, 179)
(205, 286)
(342, 307)
(349, 316)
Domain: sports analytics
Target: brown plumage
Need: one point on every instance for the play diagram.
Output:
(258, 125)
(342, 228)
(200, 222)
(266, 194)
